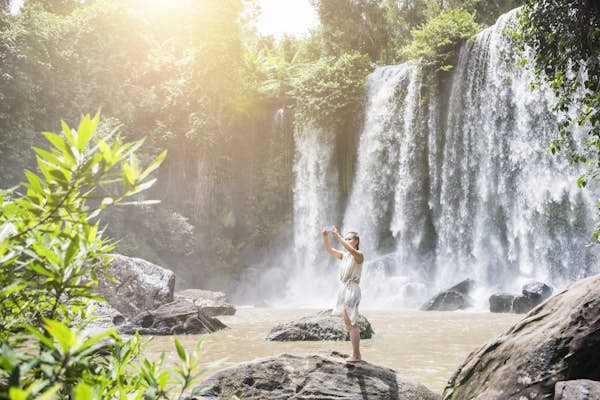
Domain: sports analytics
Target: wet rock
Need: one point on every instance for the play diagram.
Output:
(211, 303)
(557, 341)
(580, 389)
(537, 290)
(524, 304)
(320, 376)
(501, 303)
(534, 293)
(322, 326)
(102, 316)
(181, 317)
(141, 285)
(455, 298)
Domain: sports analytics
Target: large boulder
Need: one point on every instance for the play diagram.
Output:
(321, 326)
(501, 303)
(180, 317)
(558, 340)
(537, 290)
(533, 293)
(140, 285)
(211, 303)
(319, 376)
(455, 298)
(579, 389)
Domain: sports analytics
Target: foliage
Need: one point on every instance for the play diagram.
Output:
(564, 37)
(353, 26)
(198, 80)
(51, 250)
(70, 364)
(329, 92)
(435, 43)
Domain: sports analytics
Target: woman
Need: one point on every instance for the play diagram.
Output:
(349, 293)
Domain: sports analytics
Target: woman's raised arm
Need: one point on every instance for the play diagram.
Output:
(336, 253)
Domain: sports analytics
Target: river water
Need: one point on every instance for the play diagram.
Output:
(426, 346)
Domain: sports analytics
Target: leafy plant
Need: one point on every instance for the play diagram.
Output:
(435, 42)
(69, 364)
(51, 252)
(51, 244)
(329, 91)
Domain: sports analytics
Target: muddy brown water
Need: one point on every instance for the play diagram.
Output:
(426, 346)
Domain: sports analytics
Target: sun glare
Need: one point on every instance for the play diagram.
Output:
(280, 17)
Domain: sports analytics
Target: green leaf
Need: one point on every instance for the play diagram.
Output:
(154, 165)
(35, 183)
(82, 392)
(180, 350)
(57, 141)
(50, 394)
(68, 133)
(85, 131)
(65, 338)
(72, 251)
(141, 187)
(128, 174)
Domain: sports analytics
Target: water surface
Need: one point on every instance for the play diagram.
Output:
(426, 346)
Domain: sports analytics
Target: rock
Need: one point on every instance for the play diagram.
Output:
(534, 293)
(557, 341)
(319, 376)
(455, 298)
(580, 389)
(211, 303)
(501, 303)
(141, 285)
(102, 317)
(322, 326)
(537, 290)
(524, 304)
(181, 317)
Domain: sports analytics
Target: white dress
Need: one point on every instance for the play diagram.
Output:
(348, 296)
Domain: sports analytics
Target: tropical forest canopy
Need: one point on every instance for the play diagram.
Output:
(197, 79)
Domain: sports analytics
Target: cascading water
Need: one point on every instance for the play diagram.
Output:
(508, 212)
(448, 186)
(311, 282)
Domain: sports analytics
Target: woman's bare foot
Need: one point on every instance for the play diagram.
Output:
(353, 360)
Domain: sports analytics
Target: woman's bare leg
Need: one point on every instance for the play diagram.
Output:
(354, 338)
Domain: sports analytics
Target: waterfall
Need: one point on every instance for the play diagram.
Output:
(509, 211)
(452, 182)
(312, 281)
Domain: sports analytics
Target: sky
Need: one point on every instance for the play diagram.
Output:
(278, 17)
(294, 17)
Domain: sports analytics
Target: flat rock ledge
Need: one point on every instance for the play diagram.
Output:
(558, 340)
(180, 317)
(323, 375)
(211, 303)
(321, 326)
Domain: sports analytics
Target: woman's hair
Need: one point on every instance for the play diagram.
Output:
(355, 235)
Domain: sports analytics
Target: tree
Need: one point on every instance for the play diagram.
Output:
(564, 38)
(435, 43)
(353, 26)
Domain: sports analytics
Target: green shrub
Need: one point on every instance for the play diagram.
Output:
(329, 92)
(51, 252)
(435, 42)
